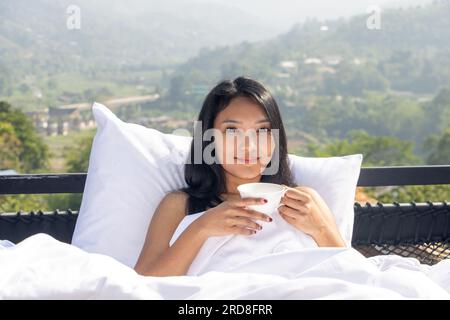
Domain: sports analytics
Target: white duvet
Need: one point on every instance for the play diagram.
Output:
(268, 266)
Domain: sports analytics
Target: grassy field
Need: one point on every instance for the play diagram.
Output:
(57, 146)
(37, 93)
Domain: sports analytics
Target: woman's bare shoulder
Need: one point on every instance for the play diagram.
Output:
(178, 195)
(175, 201)
(169, 213)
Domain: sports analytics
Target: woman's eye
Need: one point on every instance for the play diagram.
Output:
(231, 130)
(236, 130)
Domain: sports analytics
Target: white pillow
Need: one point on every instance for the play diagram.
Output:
(335, 179)
(131, 168)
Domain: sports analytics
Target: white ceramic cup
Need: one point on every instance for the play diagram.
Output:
(272, 192)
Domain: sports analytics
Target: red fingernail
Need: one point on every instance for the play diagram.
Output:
(265, 200)
(270, 219)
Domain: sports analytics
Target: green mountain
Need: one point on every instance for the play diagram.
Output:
(123, 33)
(333, 77)
(125, 42)
(409, 52)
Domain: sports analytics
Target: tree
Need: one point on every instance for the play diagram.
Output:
(354, 81)
(2, 86)
(23, 150)
(438, 148)
(10, 146)
(24, 88)
(440, 110)
(382, 151)
(23, 202)
(433, 193)
(33, 152)
(77, 155)
(77, 160)
(177, 88)
(376, 150)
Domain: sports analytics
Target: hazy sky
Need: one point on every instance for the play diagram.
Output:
(288, 12)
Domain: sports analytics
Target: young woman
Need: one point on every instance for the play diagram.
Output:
(232, 107)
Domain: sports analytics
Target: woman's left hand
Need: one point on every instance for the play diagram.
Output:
(304, 208)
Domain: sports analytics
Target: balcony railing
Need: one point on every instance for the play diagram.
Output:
(420, 230)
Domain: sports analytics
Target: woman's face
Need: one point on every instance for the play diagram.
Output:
(247, 144)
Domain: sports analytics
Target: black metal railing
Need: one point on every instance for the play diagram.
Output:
(420, 230)
(369, 177)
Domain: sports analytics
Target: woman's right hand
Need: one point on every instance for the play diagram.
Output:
(232, 217)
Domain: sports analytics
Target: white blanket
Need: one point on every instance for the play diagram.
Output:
(227, 252)
(41, 267)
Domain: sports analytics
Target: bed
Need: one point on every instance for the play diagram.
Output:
(393, 251)
(399, 251)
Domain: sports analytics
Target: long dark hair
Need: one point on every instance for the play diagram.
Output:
(206, 182)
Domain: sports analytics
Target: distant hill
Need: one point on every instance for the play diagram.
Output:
(410, 53)
(116, 33)
(126, 45)
(123, 32)
(118, 41)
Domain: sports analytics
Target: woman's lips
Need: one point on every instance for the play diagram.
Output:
(247, 160)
